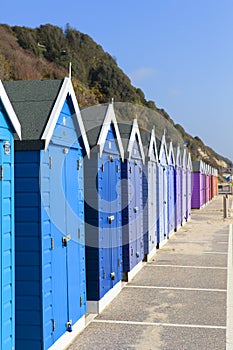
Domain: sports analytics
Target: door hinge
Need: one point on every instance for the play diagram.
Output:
(103, 167)
(81, 301)
(52, 243)
(1, 172)
(119, 262)
(53, 325)
(50, 162)
(117, 168)
(65, 240)
(79, 233)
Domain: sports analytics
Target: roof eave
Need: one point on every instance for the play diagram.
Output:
(10, 111)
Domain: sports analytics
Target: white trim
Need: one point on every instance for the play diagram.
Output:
(189, 162)
(66, 88)
(184, 158)
(110, 118)
(229, 332)
(163, 148)
(67, 338)
(135, 132)
(153, 145)
(171, 155)
(178, 157)
(161, 244)
(172, 233)
(10, 111)
(151, 254)
(159, 324)
(131, 274)
(97, 307)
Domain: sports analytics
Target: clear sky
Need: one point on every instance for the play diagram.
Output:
(179, 52)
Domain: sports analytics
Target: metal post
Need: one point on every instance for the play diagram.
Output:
(225, 206)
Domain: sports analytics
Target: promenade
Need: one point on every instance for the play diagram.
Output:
(180, 299)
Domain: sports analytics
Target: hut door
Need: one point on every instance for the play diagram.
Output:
(64, 198)
(107, 219)
(137, 210)
(115, 209)
(75, 251)
(6, 239)
(165, 204)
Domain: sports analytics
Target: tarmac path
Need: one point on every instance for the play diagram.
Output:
(178, 300)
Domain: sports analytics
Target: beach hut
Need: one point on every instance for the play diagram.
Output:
(189, 187)
(171, 194)
(132, 199)
(178, 187)
(103, 206)
(198, 190)
(49, 213)
(207, 172)
(184, 186)
(9, 125)
(162, 190)
(150, 184)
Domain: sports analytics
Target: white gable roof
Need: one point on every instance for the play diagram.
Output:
(66, 89)
(163, 149)
(109, 119)
(135, 134)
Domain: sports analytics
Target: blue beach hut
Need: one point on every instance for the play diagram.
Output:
(162, 194)
(150, 184)
(49, 214)
(189, 186)
(171, 190)
(184, 186)
(132, 199)
(9, 125)
(178, 188)
(103, 207)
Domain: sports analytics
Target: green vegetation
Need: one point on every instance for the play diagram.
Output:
(46, 52)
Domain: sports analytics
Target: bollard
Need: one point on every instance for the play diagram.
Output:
(225, 206)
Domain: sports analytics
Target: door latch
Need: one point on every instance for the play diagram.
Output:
(69, 326)
(65, 240)
(110, 219)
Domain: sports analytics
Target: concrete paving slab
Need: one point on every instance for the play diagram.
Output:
(137, 337)
(163, 257)
(168, 306)
(181, 277)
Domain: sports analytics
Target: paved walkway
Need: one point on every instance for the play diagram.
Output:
(178, 300)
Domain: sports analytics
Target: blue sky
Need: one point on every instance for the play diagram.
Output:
(179, 52)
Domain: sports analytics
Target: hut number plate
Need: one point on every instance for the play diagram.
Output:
(7, 148)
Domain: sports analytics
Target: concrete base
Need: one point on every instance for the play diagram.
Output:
(128, 276)
(171, 234)
(161, 244)
(97, 307)
(177, 228)
(67, 338)
(150, 255)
